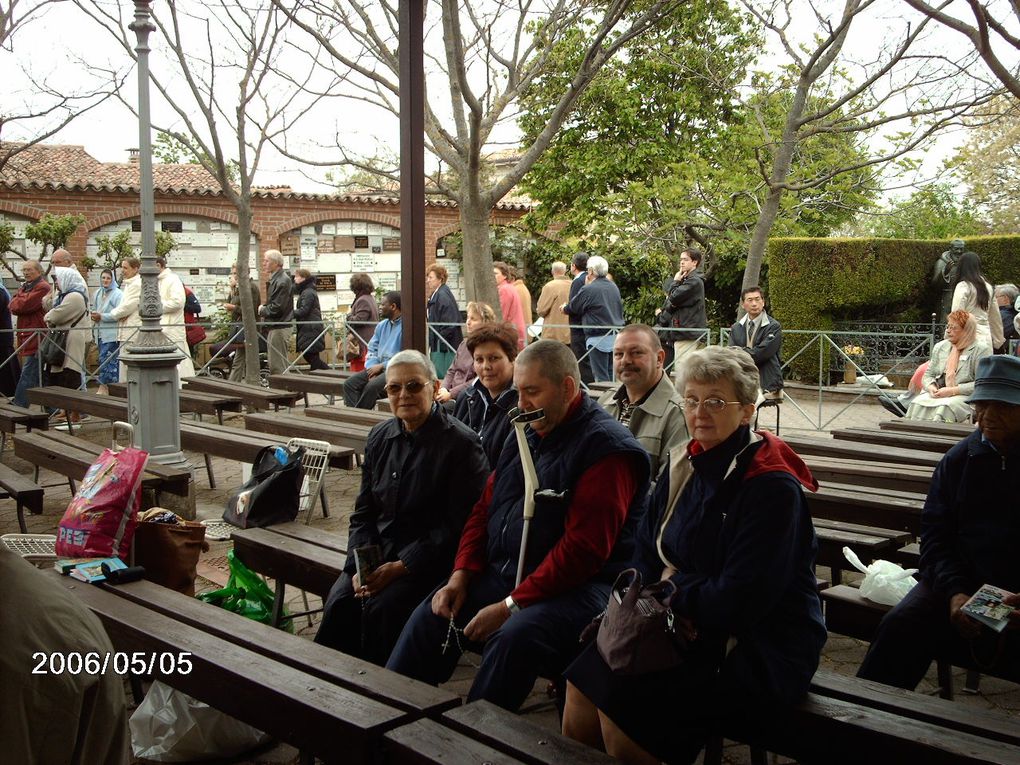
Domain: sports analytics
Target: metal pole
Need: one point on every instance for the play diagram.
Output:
(412, 173)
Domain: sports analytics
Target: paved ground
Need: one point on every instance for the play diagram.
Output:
(801, 413)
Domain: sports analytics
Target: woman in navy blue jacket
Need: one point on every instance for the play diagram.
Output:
(443, 311)
(730, 528)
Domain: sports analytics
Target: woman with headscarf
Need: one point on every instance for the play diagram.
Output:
(10, 370)
(949, 379)
(308, 315)
(68, 308)
(105, 331)
(974, 294)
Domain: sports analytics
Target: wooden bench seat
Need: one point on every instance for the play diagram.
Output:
(71, 456)
(12, 417)
(927, 442)
(830, 447)
(194, 402)
(300, 708)
(868, 542)
(854, 505)
(908, 556)
(254, 397)
(71, 400)
(958, 430)
(339, 374)
(24, 491)
(348, 414)
(339, 669)
(348, 435)
(304, 384)
(871, 475)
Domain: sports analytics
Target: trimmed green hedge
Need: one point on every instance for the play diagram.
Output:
(814, 283)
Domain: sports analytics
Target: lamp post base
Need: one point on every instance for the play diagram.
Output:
(154, 403)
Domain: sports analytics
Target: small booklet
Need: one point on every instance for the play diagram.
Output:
(92, 571)
(986, 606)
(367, 559)
(64, 565)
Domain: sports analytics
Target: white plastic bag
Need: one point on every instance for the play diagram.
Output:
(170, 726)
(884, 581)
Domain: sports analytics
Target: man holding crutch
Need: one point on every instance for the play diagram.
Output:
(590, 483)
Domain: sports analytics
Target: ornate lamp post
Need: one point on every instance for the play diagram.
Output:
(151, 359)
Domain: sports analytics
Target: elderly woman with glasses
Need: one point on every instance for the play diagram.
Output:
(730, 528)
(423, 472)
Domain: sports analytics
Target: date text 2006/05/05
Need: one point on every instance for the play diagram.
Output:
(118, 662)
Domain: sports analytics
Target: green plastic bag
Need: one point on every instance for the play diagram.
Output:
(245, 594)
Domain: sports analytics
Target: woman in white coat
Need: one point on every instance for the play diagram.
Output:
(173, 296)
(974, 295)
(125, 313)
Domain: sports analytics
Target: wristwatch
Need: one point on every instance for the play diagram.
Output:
(511, 604)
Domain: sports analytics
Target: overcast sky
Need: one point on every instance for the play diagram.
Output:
(60, 47)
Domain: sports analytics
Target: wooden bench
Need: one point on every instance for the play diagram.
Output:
(254, 397)
(926, 442)
(71, 456)
(24, 492)
(72, 400)
(11, 417)
(311, 563)
(193, 401)
(339, 374)
(958, 430)
(320, 717)
(348, 435)
(870, 475)
(855, 504)
(908, 556)
(325, 385)
(348, 414)
(868, 542)
(830, 447)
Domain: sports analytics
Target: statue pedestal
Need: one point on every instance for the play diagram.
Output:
(850, 376)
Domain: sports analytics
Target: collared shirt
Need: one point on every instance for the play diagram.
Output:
(626, 407)
(385, 342)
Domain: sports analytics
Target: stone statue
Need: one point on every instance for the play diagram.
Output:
(943, 275)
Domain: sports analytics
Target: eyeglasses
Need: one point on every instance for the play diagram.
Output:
(691, 404)
(411, 386)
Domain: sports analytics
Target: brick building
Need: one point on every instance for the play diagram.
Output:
(331, 235)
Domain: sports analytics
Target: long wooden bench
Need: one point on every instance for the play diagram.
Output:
(194, 402)
(253, 396)
(71, 456)
(348, 414)
(958, 430)
(348, 435)
(12, 417)
(24, 491)
(855, 504)
(323, 385)
(72, 400)
(868, 542)
(873, 475)
(830, 447)
(927, 442)
(321, 718)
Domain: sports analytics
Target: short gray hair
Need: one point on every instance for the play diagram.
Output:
(415, 359)
(556, 362)
(598, 265)
(716, 363)
(1009, 290)
(274, 255)
(33, 263)
(559, 267)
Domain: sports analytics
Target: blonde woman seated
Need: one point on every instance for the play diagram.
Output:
(461, 372)
(949, 379)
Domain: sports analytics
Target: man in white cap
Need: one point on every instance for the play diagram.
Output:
(970, 534)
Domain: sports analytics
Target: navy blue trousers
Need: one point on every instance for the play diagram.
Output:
(540, 640)
(918, 630)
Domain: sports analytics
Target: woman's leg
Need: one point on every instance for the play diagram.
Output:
(622, 746)
(581, 719)
(314, 362)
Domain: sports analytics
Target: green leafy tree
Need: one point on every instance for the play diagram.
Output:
(111, 250)
(936, 211)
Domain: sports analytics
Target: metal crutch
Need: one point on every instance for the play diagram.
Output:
(519, 420)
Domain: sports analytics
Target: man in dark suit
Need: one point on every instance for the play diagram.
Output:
(761, 336)
(579, 269)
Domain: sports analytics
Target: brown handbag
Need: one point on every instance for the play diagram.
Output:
(637, 634)
(169, 552)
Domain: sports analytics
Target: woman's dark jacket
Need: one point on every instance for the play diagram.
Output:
(416, 492)
(442, 308)
(488, 418)
(742, 542)
(686, 302)
(363, 318)
(309, 331)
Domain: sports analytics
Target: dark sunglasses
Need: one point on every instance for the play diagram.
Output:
(411, 386)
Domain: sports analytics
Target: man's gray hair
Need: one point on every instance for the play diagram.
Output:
(1009, 290)
(556, 362)
(559, 268)
(33, 263)
(598, 265)
(716, 363)
(60, 255)
(274, 255)
(417, 359)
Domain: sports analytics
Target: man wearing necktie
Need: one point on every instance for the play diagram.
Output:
(761, 336)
